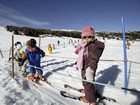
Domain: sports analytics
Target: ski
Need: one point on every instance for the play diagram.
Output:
(46, 81)
(98, 95)
(35, 81)
(79, 98)
(108, 99)
(65, 94)
(73, 88)
(49, 83)
(39, 82)
(25, 74)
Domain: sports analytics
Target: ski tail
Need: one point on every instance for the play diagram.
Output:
(108, 98)
(98, 95)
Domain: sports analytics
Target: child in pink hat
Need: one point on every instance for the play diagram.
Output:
(89, 52)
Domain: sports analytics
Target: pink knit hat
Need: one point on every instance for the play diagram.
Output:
(88, 31)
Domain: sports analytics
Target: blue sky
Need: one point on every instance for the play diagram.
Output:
(103, 15)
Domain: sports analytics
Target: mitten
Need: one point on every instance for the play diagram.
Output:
(89, 75)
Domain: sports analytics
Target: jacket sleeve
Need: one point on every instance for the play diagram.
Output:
(95, 54)
(101, 47)
(42, 53)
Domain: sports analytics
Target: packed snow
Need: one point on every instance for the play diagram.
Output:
(59, 69)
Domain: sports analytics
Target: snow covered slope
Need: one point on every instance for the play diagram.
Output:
(20, 91)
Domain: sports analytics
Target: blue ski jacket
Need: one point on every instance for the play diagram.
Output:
(34, 57)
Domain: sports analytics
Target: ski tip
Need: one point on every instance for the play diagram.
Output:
(65, 85)
(63, 93)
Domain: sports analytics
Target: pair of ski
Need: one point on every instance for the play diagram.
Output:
(100, 98)
(36, 80)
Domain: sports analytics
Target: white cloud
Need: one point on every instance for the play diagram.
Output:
(9, 16)
(29, 20)
(4, 21)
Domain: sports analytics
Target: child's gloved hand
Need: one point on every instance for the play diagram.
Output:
(89, 75)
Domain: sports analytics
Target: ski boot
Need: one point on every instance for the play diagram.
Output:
(83, 99)
(32, 77)
(40, 77)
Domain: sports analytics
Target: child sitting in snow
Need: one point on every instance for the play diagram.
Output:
(34, 54)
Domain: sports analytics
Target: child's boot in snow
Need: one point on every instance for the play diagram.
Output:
(40, 77)
(31, 77)
(83, 99)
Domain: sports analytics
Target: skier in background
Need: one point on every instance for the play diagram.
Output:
(58, 42)
(53, 46)
(49, 49)
(128, 43)
(89, 52)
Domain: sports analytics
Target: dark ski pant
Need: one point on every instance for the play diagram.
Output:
(89, 89)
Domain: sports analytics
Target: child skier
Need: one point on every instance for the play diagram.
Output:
(19, 54)
(34, 54)
(89, 52)
(49, 49)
